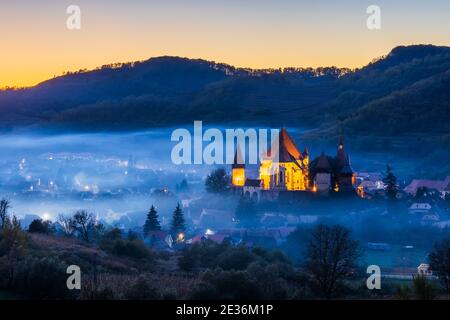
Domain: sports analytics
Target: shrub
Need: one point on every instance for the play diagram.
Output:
(235, 259)
(142, 289)
(40, 226)
(12, 239)
(220, 284)
(130, 248)
(41, 278)
(423, 288)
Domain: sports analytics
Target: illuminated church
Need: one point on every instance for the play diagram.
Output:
(291, 170)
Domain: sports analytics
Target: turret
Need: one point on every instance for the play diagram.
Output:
(322, 178)
(341, 156)
(238, 169)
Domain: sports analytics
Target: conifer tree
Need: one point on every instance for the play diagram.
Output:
(391, 184)
(178, 223)
(152, 223)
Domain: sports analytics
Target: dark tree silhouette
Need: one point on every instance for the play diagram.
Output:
(440, 262)
(391, 183)
(217, 181)
(447, 197)
(331, 256)
(84, 224)
(178, 223)
(4, 217)
(421, 193)
(182, 186)
(423, 288)
(40, 226)
(152, 223)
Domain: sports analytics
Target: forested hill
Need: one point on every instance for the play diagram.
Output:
(405, 92)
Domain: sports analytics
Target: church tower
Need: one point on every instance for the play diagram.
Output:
(238, 169)
(345, 174)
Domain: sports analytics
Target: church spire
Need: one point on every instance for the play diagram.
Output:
(341, 143)
(238, 160)
(306, 152)
(341, 156)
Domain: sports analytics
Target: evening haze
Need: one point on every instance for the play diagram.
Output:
(36, 45)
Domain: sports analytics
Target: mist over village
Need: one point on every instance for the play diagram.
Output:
(245, 164)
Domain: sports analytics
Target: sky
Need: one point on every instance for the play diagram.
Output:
(36, 45)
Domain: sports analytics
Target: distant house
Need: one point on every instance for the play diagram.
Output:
(159, 240)
(420, 208)
(442, 186)
(216, 219)
(285, 232)
(424, 269)
(375, 177)
(431, 217)
(218, 238)
(368, 188)
(369, 184)
(268, 238)
(269, 219)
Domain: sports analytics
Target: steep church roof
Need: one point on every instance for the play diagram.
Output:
(347, 168)
(287, 150)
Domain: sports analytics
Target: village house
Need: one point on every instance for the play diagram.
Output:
(268, 238)
(420, 208)
(215, 219)
(430, 218)
(160, 240)
(368, 189)
(370, 184)
(265, 237)
(442, 186)
(270, 219)
(218, 238)
(424, 270)
(424, 212)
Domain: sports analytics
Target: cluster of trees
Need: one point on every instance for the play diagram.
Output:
(328, 269)
(240, 272)
(390, 181)
(177, 226)
(218, 181)
(225, 271)
(81, 224)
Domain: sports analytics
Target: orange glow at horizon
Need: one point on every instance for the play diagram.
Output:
(37, 46)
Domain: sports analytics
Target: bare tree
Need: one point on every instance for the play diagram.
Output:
(4, 217)
(84, 224)
(440, 262)
(66, 226)
(331, 257)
